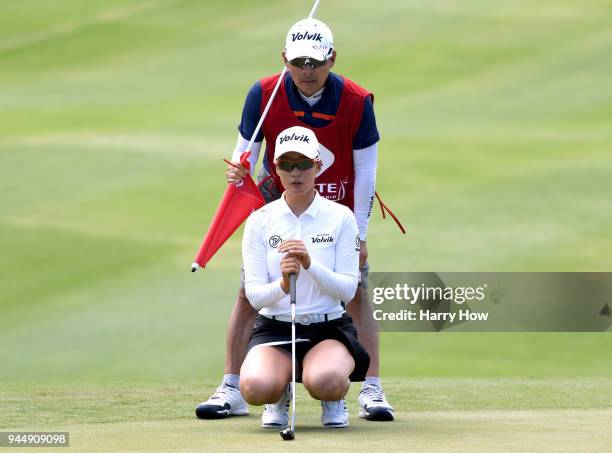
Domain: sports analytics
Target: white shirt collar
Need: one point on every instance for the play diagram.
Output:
(316, 97)
(312, 210)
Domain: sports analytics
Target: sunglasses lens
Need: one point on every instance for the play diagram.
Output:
(302, 165)
(305, 164)
(284, 165)
(301, 62)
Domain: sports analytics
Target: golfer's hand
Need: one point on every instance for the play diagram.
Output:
(296, 248)
(235, 174)
(363, 254)
(289, 265)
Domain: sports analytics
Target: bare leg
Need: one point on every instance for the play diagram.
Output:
(326, 370)
(238, 333)
(264, 375)
(360, 310)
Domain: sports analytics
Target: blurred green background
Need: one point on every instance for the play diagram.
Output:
(496, 146)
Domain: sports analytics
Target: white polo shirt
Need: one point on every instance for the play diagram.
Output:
(330, 234)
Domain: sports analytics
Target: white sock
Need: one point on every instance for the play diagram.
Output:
(232, 379)
(372, 380)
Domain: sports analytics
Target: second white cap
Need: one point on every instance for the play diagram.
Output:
(309, 38)
(297, 139)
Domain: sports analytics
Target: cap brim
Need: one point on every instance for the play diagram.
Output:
(301, 51)
(282, 153)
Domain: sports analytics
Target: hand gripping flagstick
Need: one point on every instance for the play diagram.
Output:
(220, 230)
(236, 205)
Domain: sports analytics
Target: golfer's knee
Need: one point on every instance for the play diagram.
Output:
(258, 390)
(329, 385)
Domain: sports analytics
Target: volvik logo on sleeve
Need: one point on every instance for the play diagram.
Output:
(306, 36)
(300, 138)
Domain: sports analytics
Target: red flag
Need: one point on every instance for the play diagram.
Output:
(236, 205)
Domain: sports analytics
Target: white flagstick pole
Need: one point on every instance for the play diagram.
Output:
(314, 9)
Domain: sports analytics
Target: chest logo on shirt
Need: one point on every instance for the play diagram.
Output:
(275, 241)
(322, 239)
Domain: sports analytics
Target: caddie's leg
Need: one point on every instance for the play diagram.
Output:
(373, 404)
(239, 329)
(360, 309)
(227, 399)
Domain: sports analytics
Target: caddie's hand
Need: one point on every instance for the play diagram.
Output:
(296, 248)
(235, 174)
(363, 254)
(288, 265)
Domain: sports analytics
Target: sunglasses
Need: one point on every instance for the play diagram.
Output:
(302, 164)
(301, 62)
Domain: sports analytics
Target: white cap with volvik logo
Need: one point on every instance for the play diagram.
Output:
(297, 139)
(309, 38)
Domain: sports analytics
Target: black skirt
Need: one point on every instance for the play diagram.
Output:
(267, 330)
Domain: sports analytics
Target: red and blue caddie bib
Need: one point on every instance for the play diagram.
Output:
(336, 181)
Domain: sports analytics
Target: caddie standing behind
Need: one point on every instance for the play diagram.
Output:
(341, 114)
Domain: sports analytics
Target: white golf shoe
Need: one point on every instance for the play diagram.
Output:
(373, 405)
(276, 415)
(227, 400)
(334, 414)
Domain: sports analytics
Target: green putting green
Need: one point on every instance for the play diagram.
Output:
(461, 414)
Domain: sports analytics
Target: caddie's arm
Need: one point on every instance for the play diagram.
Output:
(246, 128)
(365, 161)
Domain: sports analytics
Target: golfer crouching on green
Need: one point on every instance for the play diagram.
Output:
(318, 240)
